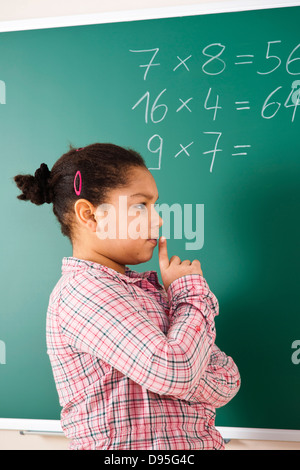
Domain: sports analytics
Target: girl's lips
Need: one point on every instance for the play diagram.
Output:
(153, 241)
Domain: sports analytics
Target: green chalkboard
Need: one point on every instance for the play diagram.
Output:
(211, 102)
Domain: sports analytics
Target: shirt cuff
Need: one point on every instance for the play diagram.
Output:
(187, 283)
(192, 285)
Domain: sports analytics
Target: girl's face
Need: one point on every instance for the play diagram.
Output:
(125, 225)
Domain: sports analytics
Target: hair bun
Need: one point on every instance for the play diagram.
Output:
(37, 188)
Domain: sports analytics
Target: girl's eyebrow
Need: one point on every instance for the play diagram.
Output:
(147, 196)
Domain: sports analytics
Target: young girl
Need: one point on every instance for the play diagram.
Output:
(134, 362)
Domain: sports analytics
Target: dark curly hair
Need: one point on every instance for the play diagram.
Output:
(103, 167)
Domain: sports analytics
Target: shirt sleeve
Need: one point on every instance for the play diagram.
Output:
(101, 317)
(220, 382)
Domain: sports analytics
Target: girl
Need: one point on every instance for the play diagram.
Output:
(134, 362)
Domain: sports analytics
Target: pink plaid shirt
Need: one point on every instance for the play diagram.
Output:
(135, 366)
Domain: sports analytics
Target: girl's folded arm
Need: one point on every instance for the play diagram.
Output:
(100, 317)
(220, 382)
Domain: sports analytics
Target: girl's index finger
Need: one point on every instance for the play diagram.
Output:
(163, 253)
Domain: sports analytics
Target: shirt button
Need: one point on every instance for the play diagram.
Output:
(198, 328)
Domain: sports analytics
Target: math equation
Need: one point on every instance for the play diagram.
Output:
(215, 63)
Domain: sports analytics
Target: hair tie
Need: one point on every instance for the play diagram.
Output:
(42, 176)
(77, 150)
(78, 191)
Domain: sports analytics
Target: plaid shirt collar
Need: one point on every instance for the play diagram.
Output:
(71, 263)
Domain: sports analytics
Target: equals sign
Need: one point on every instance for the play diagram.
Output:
(247, 56)
(243, 105)
(241, 147)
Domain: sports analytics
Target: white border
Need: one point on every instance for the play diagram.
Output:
(260, 434)
(42, 425)
(53, 427)
(144, 14)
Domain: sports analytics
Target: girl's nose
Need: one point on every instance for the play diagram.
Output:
(156, 220)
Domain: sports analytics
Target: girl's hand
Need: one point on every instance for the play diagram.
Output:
(173, 269)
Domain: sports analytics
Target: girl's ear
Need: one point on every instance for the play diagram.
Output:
(84, 212)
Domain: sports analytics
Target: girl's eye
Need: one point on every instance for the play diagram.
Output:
(142, 205)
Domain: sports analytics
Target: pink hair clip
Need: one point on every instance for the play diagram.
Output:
(78, 191)
(77, 150)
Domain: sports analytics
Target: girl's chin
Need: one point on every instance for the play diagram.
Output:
(142, 257)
